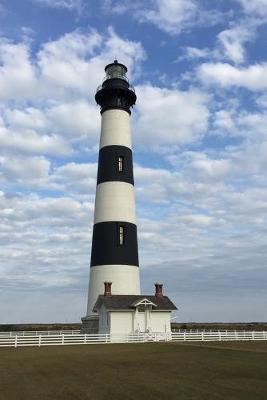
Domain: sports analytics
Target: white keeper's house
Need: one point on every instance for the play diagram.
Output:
(129, 314)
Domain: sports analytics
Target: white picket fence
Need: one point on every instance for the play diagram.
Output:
(37, 333)
(76, 338)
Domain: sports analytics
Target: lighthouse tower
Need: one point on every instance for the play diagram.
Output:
(114, 254)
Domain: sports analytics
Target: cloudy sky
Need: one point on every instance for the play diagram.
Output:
(200, 151)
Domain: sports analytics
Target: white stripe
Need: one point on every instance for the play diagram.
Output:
(115, 129)
(124, 278)
(115, 201)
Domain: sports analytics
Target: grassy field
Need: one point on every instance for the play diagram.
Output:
(210, 371)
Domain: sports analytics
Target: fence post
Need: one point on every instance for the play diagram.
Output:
(16, 341)
(202, 336)
(62, 341)
(39, 340)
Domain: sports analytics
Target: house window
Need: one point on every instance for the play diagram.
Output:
(120, 163)
(121, 235)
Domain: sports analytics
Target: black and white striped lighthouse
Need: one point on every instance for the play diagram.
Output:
(114, 255)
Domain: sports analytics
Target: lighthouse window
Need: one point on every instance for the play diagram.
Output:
(120, 163)
(121, 235)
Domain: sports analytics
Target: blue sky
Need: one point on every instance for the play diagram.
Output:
(200, 150)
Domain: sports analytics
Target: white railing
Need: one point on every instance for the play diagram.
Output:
(73, 338)
(207, 336)
(66, 339)
(37, 333)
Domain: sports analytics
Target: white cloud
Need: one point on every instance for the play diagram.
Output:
(68, 62)
(256, 7)
(70, 66)
(197, 219)
(152, 184)
(43, 232)
(76, 61)
(15, 62)
(232, 41)
(208, 167)
(30, 142)
(224, 122)
(253, 77)
(75, 178)
(25, 118)
(65, 4)
(53, 85)
(86, 121)
(21, 169)
(230, 44)
(74, 44)
(25, 210)
(25, 130)
(171, 15)
(191, 53)
(169, 116)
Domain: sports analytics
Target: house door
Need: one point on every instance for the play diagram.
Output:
(141, 322)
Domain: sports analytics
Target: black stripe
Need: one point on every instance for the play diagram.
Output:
(108, 164)
(106, 248)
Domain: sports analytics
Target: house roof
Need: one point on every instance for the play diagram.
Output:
(129, 302)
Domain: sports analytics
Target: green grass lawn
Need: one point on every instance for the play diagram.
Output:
(208, 371)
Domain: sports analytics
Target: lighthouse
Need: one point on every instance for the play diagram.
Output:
(114, 253)
(115, 305)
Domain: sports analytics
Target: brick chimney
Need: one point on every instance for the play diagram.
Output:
(107, 291)
(158, 289)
